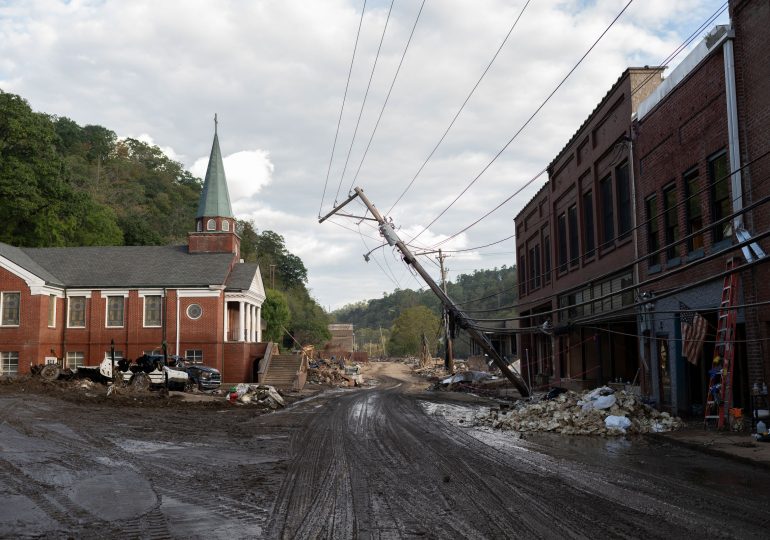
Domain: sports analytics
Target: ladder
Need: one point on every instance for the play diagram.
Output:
(719, 395)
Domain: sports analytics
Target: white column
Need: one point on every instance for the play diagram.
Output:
(227, 323)
(249, 323)
(259, 323)
(241, 317)
(253, 334)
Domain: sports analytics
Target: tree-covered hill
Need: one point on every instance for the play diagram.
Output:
(481, 290)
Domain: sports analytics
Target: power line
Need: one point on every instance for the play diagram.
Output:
(664, 62)
(363, 102)
(342, 108)
(527, 122)
(457, 114)
(387, 97)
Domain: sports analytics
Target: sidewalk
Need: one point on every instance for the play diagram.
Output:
(738, 446)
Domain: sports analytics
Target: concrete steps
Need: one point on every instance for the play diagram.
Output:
(283, 369)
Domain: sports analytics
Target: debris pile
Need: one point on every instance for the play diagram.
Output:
(334, 373)
(599, 412)
(257, 394)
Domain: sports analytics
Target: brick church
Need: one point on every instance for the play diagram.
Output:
(201, 299)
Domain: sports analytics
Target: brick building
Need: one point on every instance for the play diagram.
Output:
(69, 304)
(750, 21)
(689, 187)
(575, 247)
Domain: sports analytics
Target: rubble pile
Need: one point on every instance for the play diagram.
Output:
(599, 412)
(334, 374)
(256, 394)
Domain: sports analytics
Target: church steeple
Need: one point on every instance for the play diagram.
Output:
(214, 223)
(215, 199)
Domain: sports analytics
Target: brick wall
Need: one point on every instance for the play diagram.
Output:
(751, 19)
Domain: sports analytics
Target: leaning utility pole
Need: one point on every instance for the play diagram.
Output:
(449, 361)
(388, 232)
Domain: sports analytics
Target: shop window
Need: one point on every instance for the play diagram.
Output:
(719, 179)
(608, 214)
(623, 190)
(574, 246)
(694, 211)
(588, 225)
(670, 222)
(653, 231)
(562, 246)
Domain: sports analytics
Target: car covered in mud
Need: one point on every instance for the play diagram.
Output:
(202, 377)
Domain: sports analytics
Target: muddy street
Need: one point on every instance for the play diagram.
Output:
(389, 461)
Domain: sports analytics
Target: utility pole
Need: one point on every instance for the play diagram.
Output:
(449, 361)
(388, 232)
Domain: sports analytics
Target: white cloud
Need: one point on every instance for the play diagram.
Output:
(247, 171)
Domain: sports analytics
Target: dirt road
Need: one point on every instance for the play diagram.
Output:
(383, 462)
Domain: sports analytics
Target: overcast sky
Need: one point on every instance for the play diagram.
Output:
(276, 72)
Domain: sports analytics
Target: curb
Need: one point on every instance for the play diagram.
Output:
(708, 450)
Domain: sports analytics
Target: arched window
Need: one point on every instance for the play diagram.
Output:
(199, 227)
(225, 225)
(211, 225)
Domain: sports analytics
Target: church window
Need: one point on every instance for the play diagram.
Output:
(199, 226)
(211, 225)
(152, 308)
(10, 308)
(115, 311)
(194, 311)
(52, 311)
(225, 225)
(77, 312)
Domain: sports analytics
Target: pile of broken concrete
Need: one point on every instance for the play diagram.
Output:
(601, 412)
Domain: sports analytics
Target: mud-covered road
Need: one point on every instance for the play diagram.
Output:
(381, 462)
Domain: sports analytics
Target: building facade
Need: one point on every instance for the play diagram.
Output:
(200, 300)
(575, 247)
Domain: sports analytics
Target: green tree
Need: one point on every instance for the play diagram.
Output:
(275, 312)
(408, 328)
(309, 322)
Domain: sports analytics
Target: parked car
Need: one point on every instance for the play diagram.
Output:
(200, 376)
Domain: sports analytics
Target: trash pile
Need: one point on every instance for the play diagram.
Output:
(334, 374)
(602, 411)
(256, 394)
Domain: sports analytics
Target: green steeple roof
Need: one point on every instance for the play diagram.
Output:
(215, 199)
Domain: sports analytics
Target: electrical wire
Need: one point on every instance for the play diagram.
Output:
(527, 122)
(363, 102)
(387, 97)
(636, 89)
(342, 108)
(460, 110)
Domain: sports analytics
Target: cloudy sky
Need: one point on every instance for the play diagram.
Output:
(276, 71)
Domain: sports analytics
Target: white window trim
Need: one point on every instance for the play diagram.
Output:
(211, 225)
(85, 309)
(107, 311)
(144, 312)
(226, 225)
(150, 292)
(67, 357)
(6, 355)
(2, 299)
(53, 298)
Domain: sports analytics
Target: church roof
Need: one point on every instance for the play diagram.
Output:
(126, 266)
(215, 199)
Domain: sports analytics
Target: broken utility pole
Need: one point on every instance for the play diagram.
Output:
(388, 232)
(449, 361)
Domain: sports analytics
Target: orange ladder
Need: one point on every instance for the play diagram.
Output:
(719, 394)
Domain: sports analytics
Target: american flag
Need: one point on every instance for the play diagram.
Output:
(693, 333)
